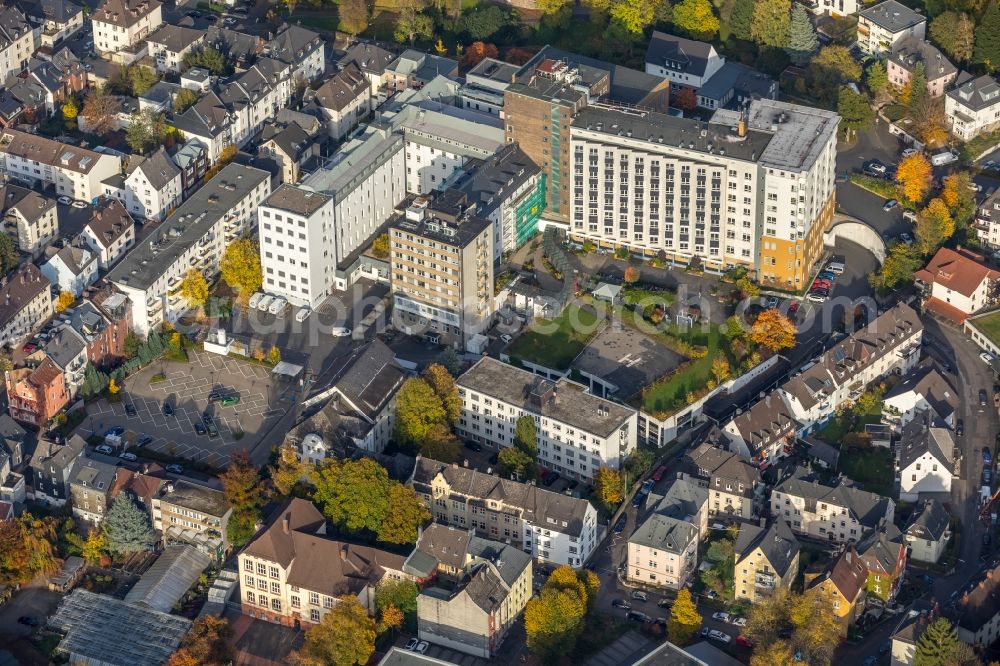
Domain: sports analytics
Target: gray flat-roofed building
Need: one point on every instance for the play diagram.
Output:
(881, 27)
(621, 361)
(194, 236)
(171, 576)
(103, 631)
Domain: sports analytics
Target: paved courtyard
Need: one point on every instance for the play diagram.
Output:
(263, 401)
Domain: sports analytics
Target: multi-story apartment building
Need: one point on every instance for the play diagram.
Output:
(973, 107)
(734, 485)
(889, 344)
(35, 395)
(70, 266)
(881, 27)
(68, 350)
(25, 302)
(90, 485)
(755, 190)
(922, 390)
(373, 60)
(440, 140)
(170, 43)
(75, 172)
(840, 514)
(913, 51)
(441, 267)
(473, 612)
(343, 100)
(551, 527)
(766, 560)
(153, 187)
(508, 189)
(577, 432)
(958, 283)
(763, 433)
(292, 572)
(50, 467)
(296, 231)
(975, 612)
(686, 63)
(103, 321)
(987, 223)
(929, 533)
(122, 26)
(840, 585)
(29, 218)
(110, 232)
(545, 95)
(194, 236)
(367, 180)
(17, 40)
(56, 20)
(185, 512)
(884, 554)
(662, 552)
(304, 51)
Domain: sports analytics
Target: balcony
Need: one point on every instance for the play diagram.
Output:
(764, 582)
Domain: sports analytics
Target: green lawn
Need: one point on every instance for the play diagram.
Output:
(647, 297)
(555, 343)
(671, 393)
(872, 468)
(990, 326)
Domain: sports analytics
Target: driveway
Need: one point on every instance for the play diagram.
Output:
(34, 600)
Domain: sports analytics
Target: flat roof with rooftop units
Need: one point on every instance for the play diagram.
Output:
(799, 133)
(296, 200)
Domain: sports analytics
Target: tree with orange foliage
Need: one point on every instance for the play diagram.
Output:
(631, 275)
(206, 644)
(518, 56)
(914, 175)
(773, 330)
(686, 99)
(934, 226)
(476, 52)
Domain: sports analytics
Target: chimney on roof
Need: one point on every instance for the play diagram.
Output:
(284, 523)
(343, 553)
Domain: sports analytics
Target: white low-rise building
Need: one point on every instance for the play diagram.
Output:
(577, 432)
(921, 390)
(924, 458)
(194, 236)
(929, 533)
(687, 63)
(882, 26)
(75, 172)
(551, 527)
(121, 27)
(170, 43)
(153, 187)
(72, 268)
(957, 283)
(29, 218)
(973, 107)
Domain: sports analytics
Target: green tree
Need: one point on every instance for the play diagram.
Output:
(344, 637)
(418, 408)
(410, 25)
(697, 19)
(513, 462)
(240, 268)
(399, 593)
(243, 490)
(769, 24)
(146, 130)
(876, 78)
(608, 487)
(684, 620)
(289, 472)
(634, 15)
(140, 79)
(937, 645)
(380, 246)
(955, 33)
(354, 16)
(354, 494)
(918, 87)
(443, 384)
(554, 620)
(741, 19)
(934, 226)
(485, 21)
(128, 527)
(441, 444)
(27, 549)
(401, 525)
(206, 644)
(802, 41)
(855, 111)
(274, 355)
(184, 100)
(986, 49)
(526, 435)
(95, 547)
(194, 288)
(9, 257)
(207, 58)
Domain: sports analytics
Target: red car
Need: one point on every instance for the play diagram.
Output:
(820, 282)
(29, 348)
(793, 307)
(743, 641)
(660, 471)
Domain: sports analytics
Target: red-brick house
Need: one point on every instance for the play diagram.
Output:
(36, 394)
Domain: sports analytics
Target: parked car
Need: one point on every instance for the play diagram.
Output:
(131, 457)
(793, 307)
(29, 348)
(772, 303)
(255, 300)
(105, 449)
(987, 456)
(827, 275)
(910, 151)
(175, 469)
(230, 400)
(277, 306)
(340, 331)
(411, 644)
(647, 486)
(421, 647)
(621, 603)
(640, 595)
(212, 430)
(960, 427)
(889, 205)
(117, 431)
(200, 429)
(721, 616)
(265, 302)
(636, 616)
(168, 410)
(506, 338)
(65, 201)
(144, 440)
(987, 476)
(79, 204)
(986, 356)
(620, 524)
(550, 478)
(982, 397)
(704, 632)
(301, 315)
(207, 419)
(664, 603)
(743, 641)
(719, 636)
(130, 409)
(660, 471)
(738, 621)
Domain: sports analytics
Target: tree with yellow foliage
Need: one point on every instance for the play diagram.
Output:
(608, 487)
(289, 471)
(914, 175)
(113, 387)
(773, 330)
(194, 288)
(555, 619)
(345, 637)
(65, 301)
(684, 619)
(934, 225)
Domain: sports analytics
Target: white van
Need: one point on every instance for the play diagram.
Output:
(265, 302)
(302, 314)
(277, 305)
(835, 266)
(255, 300)
(910, 216)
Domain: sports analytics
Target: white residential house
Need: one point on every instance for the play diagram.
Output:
(170, 43)
(921, 390)
(153, 187)
(110, 232)
(373, 60)
(832, 7)
(662, 552)
(194, 236)
(122, 26)
(303, 50)
(957, 283)
(75, 172)
(343, 100)
(929, 533)
(67, 349)
(881, 26)
(839, 514)
(924, 458)
(987, 223)
(577, 432)
(763, 433)
(56, 20)
(973, 107)
(687, 63)
(17, 40)
(73, 267)
(25, 302)
(551, 527)
(29, 218)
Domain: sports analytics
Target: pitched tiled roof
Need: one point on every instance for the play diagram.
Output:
(342, 88)
(961, 271)
(716, 463)
(847, 573)
(931, 523)
(777, 542)
(109, 221)
(687, 56)
(123, 13)
(867, 508)
(921, 436)
(665, 533)
(880, 550)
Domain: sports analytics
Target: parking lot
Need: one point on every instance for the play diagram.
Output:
(263, 400)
